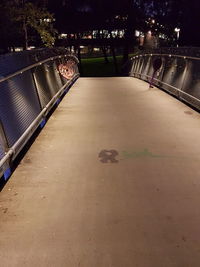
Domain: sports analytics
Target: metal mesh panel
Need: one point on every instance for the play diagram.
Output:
(61, 78)
(174, 71)
(137, 65)
(3, 142)
(146, 66)
(134, 66)
(48, 81)
(58, 62)
(141, 65)
(19, 105)
(145, 60)
(44, 92)
(150, 69)
(76, 69)
(132, 69)
(57, 74)
(52, 77)
(160, 72)
(1, 150)
(192, 79)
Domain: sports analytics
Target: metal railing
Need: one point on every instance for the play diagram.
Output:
(27, 94)
(179, 74)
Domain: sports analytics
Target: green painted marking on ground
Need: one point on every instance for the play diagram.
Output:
(145, 153)
(141, 154)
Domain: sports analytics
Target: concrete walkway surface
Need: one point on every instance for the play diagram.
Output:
(113, 180)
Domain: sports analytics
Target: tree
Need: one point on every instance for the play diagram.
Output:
(9, 31)
(34, 18)
(23, 22)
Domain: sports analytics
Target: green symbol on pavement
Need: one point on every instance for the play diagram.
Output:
(140, 154)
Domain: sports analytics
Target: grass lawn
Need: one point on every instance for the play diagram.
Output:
(96, 67)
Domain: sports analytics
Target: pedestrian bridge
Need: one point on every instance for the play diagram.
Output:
(113, 179)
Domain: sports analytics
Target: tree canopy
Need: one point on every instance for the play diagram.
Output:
(23, 23)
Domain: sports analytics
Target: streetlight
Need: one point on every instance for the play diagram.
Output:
(177, 30)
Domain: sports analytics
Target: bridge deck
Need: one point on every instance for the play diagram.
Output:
(64, 207)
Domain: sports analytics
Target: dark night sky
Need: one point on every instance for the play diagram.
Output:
(81, 15)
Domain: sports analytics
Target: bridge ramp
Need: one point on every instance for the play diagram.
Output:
(65, 206)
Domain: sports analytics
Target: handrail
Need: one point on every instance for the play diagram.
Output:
(176, 88)
(32, 66)
(166, 55)
(181, 82)
(11, 150)
(39, 114)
